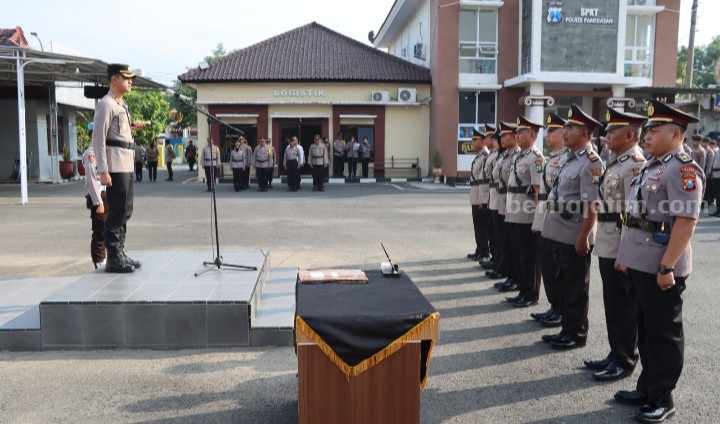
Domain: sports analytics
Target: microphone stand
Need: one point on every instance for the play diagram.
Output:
(217, 264)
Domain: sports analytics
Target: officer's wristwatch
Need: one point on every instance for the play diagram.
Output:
(665, 270)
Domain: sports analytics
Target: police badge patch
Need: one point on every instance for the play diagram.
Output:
(689, 178)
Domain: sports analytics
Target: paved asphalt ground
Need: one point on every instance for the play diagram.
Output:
(489, 366)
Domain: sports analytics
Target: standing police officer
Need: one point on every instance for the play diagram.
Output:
(480, 230)
(547, 263)
(570, 224)
(114, 152)
(488, 192)
(319, 162)
(625, 162)
(507, 266)
(339, 156)
(292, 162)
(237, 163)
(522, 197)
(656, 253)
(211, 163)
(245, 172)
(264, 162)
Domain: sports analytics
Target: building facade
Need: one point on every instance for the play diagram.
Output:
(314, 81)
(492, 60)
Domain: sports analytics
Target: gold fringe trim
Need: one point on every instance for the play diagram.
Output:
(427, 326)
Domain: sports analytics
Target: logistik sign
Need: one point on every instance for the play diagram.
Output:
(587, 16)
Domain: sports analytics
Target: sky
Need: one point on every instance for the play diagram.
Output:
(165, 37)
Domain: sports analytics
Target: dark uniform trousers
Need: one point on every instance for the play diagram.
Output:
(714, 190)
(152, 170)
(505, 266)
(264, 176)
(209, 174)
(660, 335)
(492, 240)
(352, 167)
(499, 240)
(338, 166)
(244, 178)
(573, 285)
(138, 171)
(120, 209)
(97, 240)
(318, 175)
(365, 167)
(293, 175)
(522, 242)
(237, 178)
(481, 217)
(550, 271)
(621, 314)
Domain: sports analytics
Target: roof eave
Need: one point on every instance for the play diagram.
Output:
(301, 80)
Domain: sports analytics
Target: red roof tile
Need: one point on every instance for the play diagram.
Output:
(310, 53)
(13, 37)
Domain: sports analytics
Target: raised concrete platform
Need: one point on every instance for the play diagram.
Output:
(161, 306)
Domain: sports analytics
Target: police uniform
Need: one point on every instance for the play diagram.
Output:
(237, 163)
(480, 230)
(669, 187)
(264, 162)
(352, 154)
(618, 293)
(339, 158)
(211, 164)
(114, 148)
(486, 229)
(714, 182)
(525, 176)
(545, 261)
(502, 175)
(292, 164)
(575, 188)
(493, 217)
(319, 162)
(245, 172)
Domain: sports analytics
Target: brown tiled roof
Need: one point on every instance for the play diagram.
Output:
(13, 37)
(310, 53)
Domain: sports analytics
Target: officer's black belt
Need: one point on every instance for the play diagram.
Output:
(518, 190)
(647, 226)
(475, 183)
(610, 217)
(563, 207)
(494, 185)
(263, 161)
(319, 157)
(120, 144)
(542, 196)
(502, 190)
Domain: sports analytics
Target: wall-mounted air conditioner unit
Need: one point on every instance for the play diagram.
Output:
(380, 97)
(419, 51)
(407, 95)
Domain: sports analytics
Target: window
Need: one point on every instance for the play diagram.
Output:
(476, 108)
(478, 41)
(641, 2)
(639, 37)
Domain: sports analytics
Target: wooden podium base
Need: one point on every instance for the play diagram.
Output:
(384, 394)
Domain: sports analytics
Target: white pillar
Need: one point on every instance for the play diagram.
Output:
(536, 111)
(22, 137)
(618, 92)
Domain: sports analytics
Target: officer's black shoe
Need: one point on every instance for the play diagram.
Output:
(630, 397)
(567, 343)
(322, 189)
(539, 316)
(549, 338)
(655, 413)
(484, 260)
(486, 265)
(118, 265)
(508, 287)
(552, 321)
(473, 256)
(514, 299)
(525, 303)
(493, 274)
(135, 263)
(597, 365)
(613, 372)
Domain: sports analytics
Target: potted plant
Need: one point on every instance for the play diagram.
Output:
(436, 163)
(67, 169)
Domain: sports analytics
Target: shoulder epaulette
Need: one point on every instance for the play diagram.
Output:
(593, 156)
(683, 157)
(623, 158)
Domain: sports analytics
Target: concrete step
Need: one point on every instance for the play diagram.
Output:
(274, 315)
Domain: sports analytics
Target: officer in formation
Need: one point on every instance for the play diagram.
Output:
(114, 149)
(264, 163)
(352, 154)
(211, 163)
(319, 162)
(522, 198)
(487, 214)
(245, 172)
(339, 156)
(714, 181)
(479, 210)
(238, 162)
(293, 161)
(555, 142)
(644, 214)
(492, 163)
(365, 152)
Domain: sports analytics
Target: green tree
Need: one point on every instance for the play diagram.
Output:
(152, 107)
(189, 116)
(81, 129)
(706, 57)
(217, 54)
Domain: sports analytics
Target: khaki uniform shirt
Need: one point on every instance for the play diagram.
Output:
(113, 123)
(492, 168)
(615, 186)
(670, 187)
(353, 150)
(715, 166)
(525, 172)
(292, 153)
(699, 155)
(339, 148)
(709, 161)
(238, 158)
(576, 185)
(488, 191)
(504, 178)
(248, 154)
(476, 171)
(211, 155)
(551, 169)
(263, 156)
(318, 154)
